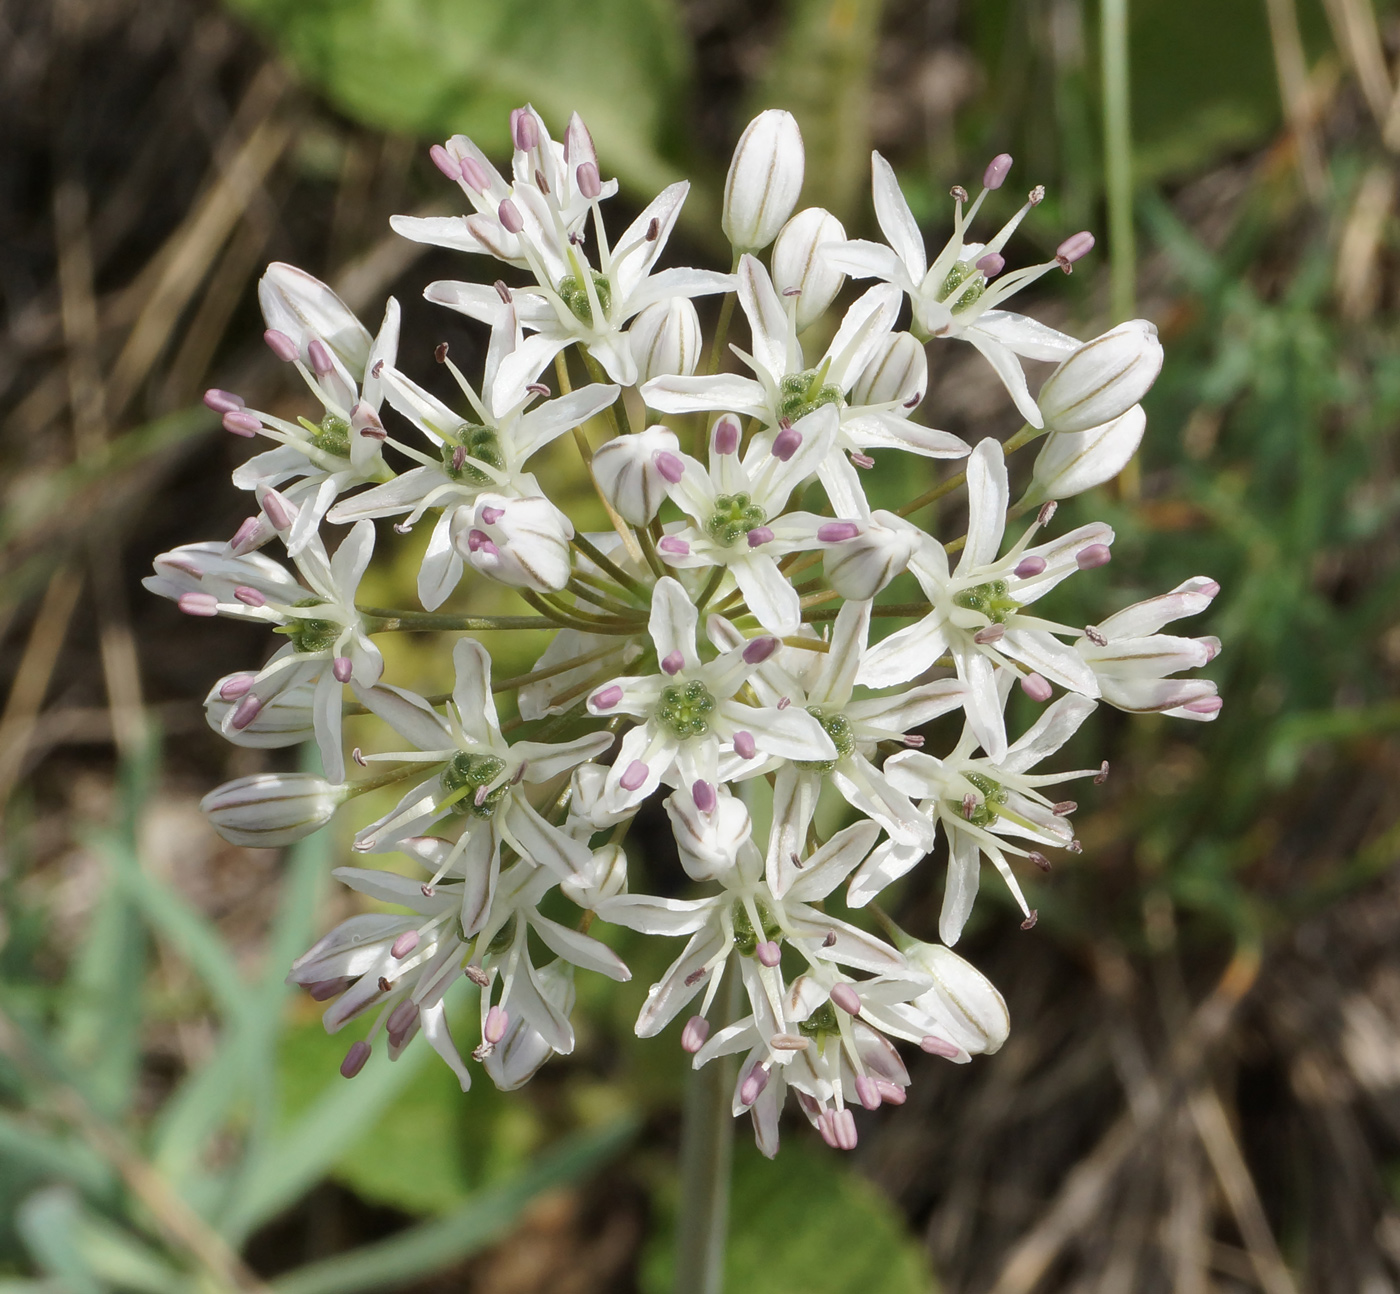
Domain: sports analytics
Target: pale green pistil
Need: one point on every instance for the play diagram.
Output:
(310, 635)
(800, 393)
(474, 770)
(993, 794)
(990, 599)
(820, 1023)
(745, 936)
(332, 436)
(965, 282)
(734, 516)
(838, 728)
(685, 710)
(575, 295)
(472, 442)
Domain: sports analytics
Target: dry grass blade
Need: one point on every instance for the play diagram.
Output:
(1358, 283)
(1354, 29)
(1291, 67)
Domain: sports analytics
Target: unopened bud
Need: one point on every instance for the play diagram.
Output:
(897, 373)
(1103, 379)
(997, 170)
(1074, 461)
(527, 545)
(765, 178)
(268, 810)
(800, 268)
(630, 476)
(665, 340)
(861, 566)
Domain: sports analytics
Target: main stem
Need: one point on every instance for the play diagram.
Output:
(707, 1158)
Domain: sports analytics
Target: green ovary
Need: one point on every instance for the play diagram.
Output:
(480, 443)
(734, 516)
(990, 599)
(838, 728)
(575, 295)
(962, 273)
(800, 393)
(745, 936)
(684, 711)
(311, 635)
(993, 794)
(820, 1023)
(467, 769)
(332, 436)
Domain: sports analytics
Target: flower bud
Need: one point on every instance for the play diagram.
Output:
(282, 720)
(520, 1053)
(524, 542)
(709, 843)
(964, 1003)
(1075, 461)
(603, 878)
(860, 567)
(301, 307)
(1103, 379)
(268, 810)
(765, 178)
(665, 340)
(896, 374)
(798, 264)
(627, 474)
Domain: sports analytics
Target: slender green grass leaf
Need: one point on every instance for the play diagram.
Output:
(53, 1155)
(48, 1224)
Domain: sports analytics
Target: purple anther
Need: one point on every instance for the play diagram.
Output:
(277, 510)
(969, 805)
(1064, 808)
(837, 532)
(673, 662)
(459, 458)
(989, 634)
(744, 744)
(445, 162)
(653, 230)
(524, 130)
(509, 216)
(540, 182)
(726, 435)
(1209, 589)
(958, 193)
(404, 944)
(478, 976)
(693, 1036)
(1029, 922)
(1029, 566)
(890, 1093)
(913, 739)
(1095, 636)
(588, 182)
(376, 368)
(786, 443)
(1074, 248)
(490, 516)
(936, 1046)
(634, 776)
(245, 712)
(844, 996)
(198, 604)
(868, 1093)
(477, 539)
(991, 264)
(1102, 776)
(1039, 860)
(249, 597)
(502, 291)
(342, 667)
(321, 363)
(222, 401)
(355, 1059)
(475, 175)
(494, 1029)
(1035, 686)
(402, 1018)
(995, 174)
(235, 686)
(359, 757)
(1211, 646)
(752, 1087)
(1094, 555)
(241, 424)
(489, 549)
(863, 461)
(769, 953)
(824, 1126)
(244, 533)
(760, 535)
(696, 976)
(669, 465)
(843, 1127)
(537, 388)
(1206, 705)
(607, 698)
(480, 797)
(1036, 196)
(792, 292)
(670, 544)
(281, 345)
(704, 796)
(760, 649)
(325, 989)
(784, 702)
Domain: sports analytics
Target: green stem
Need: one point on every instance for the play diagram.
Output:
(649, 551)
(568, 620)
(595, 371)
(379, 620)
(1118, 157)
(709, 590)
(1022, 437)
(605, 563)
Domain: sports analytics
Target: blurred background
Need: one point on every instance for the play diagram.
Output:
(1202, 1087)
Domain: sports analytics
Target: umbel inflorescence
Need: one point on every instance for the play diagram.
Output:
(715, 645)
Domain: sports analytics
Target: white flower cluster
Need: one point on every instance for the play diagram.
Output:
(690, 656)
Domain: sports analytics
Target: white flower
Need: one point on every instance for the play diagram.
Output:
(979, 615)
(979, 802)
(1131, 658)
(316, 462)
(665, 339)
(798, 268)
(764, 180)
(525, 1046)
(1103, 379)
(736, 510)
(524, 542)
(784, 388)
(470, 457)
(287, 718)
(477, 779)
(269, 810)
(1074, 461)
(959, 294)
(626, 472)
(969, 1011)
(859, 567)
(329, 646)
(690, 709)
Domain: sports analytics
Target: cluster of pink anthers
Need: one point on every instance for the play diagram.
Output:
(714, 647)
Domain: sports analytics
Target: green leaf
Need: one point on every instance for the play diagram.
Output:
(53, 1155)
(434, 67)
(804, 1223)
(48, 1224)
(484, 1217)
